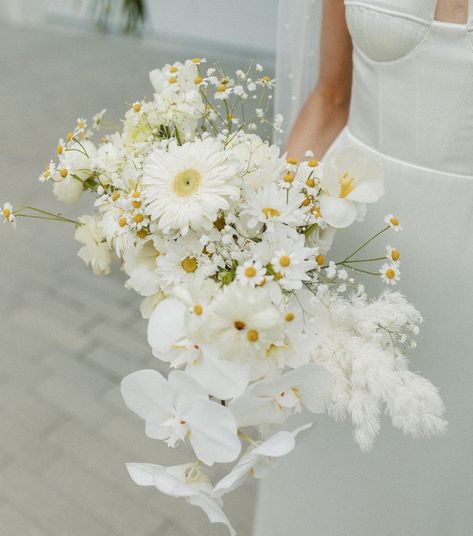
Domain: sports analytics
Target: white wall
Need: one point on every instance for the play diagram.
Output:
(242, 27)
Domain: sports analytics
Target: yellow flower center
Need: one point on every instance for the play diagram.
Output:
(173, 69)
(198, 310)
(271, 212)
(394, 221)
(69, 136)
(137, 204)
(395, 255)
(310, 183)
(288, 178)
(313, 163)
(172, 79)
(316, 212)
(265, 78)
(306, 202)
(198, 80)
(137, 107)
(289, 317)
(292, 161)
(138, 218)
(59, 149)
(221, 88)
(142, 233)
(320, 259)
(189, 264)
(219, 223)
(250, 271)
(63, 172)
(115, 196)
(390, 273)
(122, 221)
(196, 60)
(252, 335)
(284, 261)
(6, 213)
(346, 185)
(239, 325)
(186, 182)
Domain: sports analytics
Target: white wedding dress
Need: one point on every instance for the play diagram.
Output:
(412, 107)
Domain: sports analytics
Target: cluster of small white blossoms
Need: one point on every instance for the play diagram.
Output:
(227, 241)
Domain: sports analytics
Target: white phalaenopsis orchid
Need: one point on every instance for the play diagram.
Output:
(350, 180)
(273, 401)
(184, 481)
(228, 242)
(258, 460)
(178, 408)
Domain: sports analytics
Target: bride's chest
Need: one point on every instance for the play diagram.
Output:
(387, 30)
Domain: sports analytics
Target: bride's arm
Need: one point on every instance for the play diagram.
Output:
(326, 111)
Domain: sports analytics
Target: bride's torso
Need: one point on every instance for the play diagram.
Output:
(412, 96)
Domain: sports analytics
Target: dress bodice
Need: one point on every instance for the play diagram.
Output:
(412, 96)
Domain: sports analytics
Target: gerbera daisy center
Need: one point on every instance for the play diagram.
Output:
(186, 182)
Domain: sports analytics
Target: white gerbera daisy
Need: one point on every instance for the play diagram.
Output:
(185, 186)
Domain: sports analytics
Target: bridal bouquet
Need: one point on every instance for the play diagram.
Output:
(227, 241)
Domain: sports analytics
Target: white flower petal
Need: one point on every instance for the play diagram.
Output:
(166, 325)
(148, 394)
(338, 213)
(213, 433)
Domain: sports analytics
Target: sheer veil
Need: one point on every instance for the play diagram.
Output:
(297, 58)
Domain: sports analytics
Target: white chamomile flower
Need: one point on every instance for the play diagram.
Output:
(184, 260)
(393, 222)
(185, 187)
(48, 172)
(251, 273)
(271, 204)
(288, 256)
(7, 213)
(390, 273)
(392, 254)
(97, 120)
(350, 180)
(223, 91)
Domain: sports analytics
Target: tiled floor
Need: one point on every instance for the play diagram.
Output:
(67, 336)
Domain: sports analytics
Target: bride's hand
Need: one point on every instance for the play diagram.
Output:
(326, 111)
